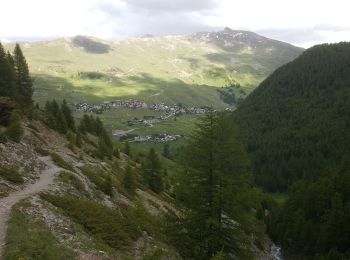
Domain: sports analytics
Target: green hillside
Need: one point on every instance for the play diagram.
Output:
(172, 69)
(296, 123)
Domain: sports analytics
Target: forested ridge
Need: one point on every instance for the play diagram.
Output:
(296, 127)
(296, 123)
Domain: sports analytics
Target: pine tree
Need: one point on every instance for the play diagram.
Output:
(61, 124)
(215, 176)
(7, 74)
(78, 141)
(15, 130)
(129, 182)
(23, 79)
(107, 186)
(68, 115)
(127, 149)
(166, 151)
(152, 172)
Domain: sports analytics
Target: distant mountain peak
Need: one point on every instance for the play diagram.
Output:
(236, 40)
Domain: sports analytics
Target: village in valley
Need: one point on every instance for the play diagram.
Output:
(164, 112)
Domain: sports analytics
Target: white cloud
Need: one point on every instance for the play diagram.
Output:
(299, 22)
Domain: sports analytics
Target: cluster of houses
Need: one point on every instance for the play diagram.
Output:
(159, 138)
(177, 109)
(169, 110)
(108, 105)
(146, 121)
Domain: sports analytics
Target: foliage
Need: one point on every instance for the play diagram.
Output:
(15, 129)
(31, 239)
(23, 80)
(152, 173)
(102, 180)
(296, 123)
(15, 81)
(127, 149)
(315, 219)
(11, 175)
(72, 179)
(166, 151)
(89, 124)
(42, 151)
(129, 182)
(213, 187)
(59, 117)
(104, 223)
(60, 162)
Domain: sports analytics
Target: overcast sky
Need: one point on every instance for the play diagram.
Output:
(300, 22)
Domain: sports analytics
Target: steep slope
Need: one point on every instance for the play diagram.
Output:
(170, 69)
(99, 226)
(70, 205)
(296, 123)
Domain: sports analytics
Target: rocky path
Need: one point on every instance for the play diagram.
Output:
(46, 179)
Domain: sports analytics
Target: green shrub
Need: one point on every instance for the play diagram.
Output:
(11, 175)
(68, 177)
(15, 129)
(29, 239)
(42, 151)
(103, 223)
(60, 162)
(102, 180)
(129, 182)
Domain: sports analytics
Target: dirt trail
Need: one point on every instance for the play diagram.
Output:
(46, 178)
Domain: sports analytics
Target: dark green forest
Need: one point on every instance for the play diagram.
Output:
(15, 81)
(296, 126)
(296, 123)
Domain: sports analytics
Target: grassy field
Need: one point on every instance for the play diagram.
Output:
(117, 120)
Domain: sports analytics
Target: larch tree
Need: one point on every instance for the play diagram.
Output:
(216, 175)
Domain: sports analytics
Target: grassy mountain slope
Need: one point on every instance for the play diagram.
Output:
(296, 123)
(84, 209)
(173, 69)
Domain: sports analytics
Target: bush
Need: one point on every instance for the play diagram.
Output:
(102, 222)
(60, 162)
(42, 151)
(68, 177)
(11, 175)
(102, 181)
(14, 130)
(29, 239)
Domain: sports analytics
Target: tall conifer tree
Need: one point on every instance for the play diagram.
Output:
(23, 79)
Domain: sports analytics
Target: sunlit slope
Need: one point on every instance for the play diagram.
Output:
(173, 69)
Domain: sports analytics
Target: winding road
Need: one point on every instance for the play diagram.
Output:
(47, 177)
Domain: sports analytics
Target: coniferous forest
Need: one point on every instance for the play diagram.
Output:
(296, 126)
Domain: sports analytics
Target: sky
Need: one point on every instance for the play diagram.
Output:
(300, 22)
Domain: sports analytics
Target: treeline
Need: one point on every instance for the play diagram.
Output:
(296, 124)
(315, 220)
(60, 118)
(15, 81)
